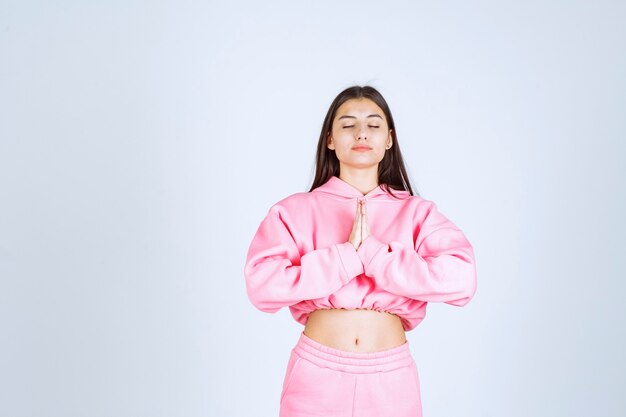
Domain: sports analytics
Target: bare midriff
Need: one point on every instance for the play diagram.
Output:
(357, 330)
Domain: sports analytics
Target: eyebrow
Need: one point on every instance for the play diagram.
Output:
(353, 117)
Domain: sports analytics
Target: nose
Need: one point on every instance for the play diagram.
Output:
(361, 134)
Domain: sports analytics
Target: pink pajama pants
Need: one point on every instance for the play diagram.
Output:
(327, 382)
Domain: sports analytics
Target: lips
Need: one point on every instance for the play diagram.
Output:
(361, 148)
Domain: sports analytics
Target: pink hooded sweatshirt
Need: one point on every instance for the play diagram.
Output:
(300, 256)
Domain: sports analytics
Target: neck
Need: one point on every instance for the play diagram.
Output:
(364, 180)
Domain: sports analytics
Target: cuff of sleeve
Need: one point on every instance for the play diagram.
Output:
(368, 250)
(352, 264)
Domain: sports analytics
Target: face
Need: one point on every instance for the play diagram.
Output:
(360, 135)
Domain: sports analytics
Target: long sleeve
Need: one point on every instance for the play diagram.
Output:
(278, 275)
(440, 267)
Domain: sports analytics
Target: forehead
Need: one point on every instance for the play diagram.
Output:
(360, 108)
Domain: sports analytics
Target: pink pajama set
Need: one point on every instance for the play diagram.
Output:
(300, 258)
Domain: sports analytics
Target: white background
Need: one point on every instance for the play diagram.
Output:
(141, 143)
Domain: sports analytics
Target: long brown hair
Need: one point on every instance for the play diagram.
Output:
(391, 171)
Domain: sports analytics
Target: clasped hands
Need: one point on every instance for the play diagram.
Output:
(361, 227)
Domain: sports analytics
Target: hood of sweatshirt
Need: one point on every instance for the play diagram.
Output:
(339, 189)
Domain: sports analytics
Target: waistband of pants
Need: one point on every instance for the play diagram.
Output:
(354, 362)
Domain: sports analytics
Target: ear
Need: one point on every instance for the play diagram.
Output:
(390, 139)
(329, 142)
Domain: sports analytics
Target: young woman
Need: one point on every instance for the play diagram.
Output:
(356, 259)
